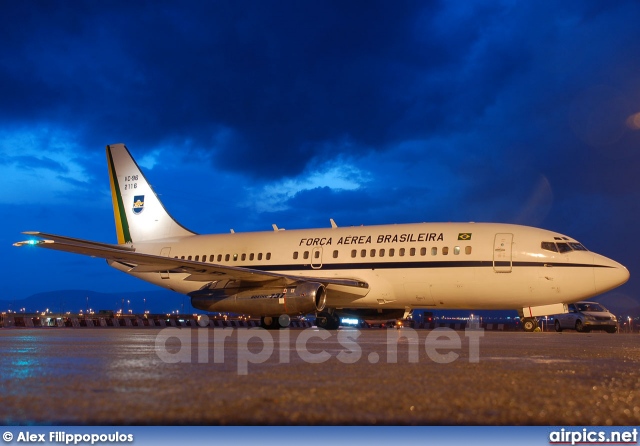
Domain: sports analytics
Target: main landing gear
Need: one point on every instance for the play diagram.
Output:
(529, 324)
(274, 323)
(328, 321)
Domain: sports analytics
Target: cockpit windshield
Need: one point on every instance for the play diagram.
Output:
(562, 247)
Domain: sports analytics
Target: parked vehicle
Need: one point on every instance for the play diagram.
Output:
(586, 316)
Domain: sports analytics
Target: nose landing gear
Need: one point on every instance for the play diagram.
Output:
(529, 324)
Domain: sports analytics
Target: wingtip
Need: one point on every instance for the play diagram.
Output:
(32, 242)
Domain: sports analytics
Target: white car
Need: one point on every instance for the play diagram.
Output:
(586, 316)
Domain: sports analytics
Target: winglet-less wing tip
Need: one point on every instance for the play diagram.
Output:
(32, 242)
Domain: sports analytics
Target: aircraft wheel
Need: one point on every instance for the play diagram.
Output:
(269, 323)
(529, 324)
(558, 327)
(327, 321)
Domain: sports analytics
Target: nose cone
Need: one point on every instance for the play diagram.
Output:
(608, 274)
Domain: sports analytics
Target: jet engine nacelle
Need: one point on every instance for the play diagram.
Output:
(298, 298)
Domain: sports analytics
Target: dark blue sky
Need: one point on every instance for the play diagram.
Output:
(245, 114)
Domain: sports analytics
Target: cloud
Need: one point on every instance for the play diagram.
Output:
(40, 166)
(336, 175)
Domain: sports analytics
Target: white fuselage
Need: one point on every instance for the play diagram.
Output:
(426, 265)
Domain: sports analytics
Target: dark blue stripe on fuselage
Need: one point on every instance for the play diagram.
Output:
(417, 265)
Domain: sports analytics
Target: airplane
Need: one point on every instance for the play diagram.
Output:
(368, 272)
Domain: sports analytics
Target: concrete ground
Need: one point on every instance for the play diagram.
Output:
(375, 376)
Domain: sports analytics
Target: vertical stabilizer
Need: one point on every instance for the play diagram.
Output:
(139, 214)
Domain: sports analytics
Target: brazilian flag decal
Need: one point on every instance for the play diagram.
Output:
(464, 236)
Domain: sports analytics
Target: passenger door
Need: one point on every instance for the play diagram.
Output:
(502, 252)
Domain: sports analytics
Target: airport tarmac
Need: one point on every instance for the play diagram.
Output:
(240, 376)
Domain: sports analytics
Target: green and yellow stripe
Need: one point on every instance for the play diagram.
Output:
(119, 214)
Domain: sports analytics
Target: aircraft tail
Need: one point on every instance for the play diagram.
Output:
(139, 214)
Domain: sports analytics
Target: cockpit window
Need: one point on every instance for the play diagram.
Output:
(563, 247)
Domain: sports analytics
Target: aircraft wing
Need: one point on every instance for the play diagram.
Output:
(198, 271)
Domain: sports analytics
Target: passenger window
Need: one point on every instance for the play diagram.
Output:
(259, 256)
(197, 259)
(434, 251)
(268, 256)
(467, 250)
(445, 251)
(423, 251)
(295, 255)
(189, 258)
(392, 252)
(412, 252)
(316, 255)
(211, 258)
(182, 257)
(372, 253)
(244, 257)
(219, 257)
(227, 257)
(354, 253)
(335, 254)
(235, 257)
(305, 255)
(401, 252)
(456, 250)
(382, 253)
(363, 253)
(251, 256)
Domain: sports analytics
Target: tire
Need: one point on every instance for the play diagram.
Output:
(327, 321)
(269, 323)
(579, 326)
(557, 326)
(612, 329)
(529, 324)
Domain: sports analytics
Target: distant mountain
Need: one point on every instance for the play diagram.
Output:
(161, 301)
